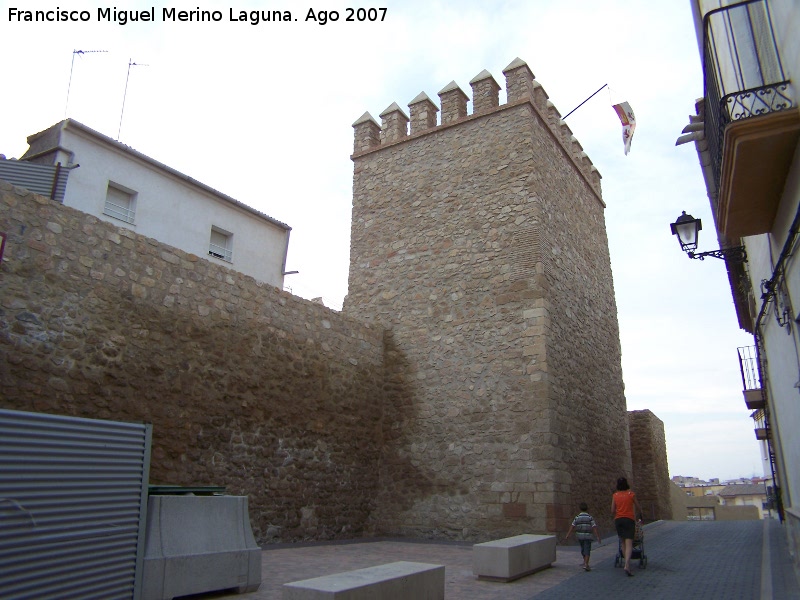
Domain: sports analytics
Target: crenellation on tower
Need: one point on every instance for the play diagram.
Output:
(565, 133)
(485, 92)
(423, 113)
(540, 97)
(595, 177)
(552, 115)
(367, 133)
(521, 87)
(577, 149)
(586, 162)
(394, 124)
(454, 103)
(519, 80)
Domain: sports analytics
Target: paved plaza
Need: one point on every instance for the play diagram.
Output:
(708, 559)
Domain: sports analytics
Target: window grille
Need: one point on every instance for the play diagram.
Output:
(220, 245)
(748, 365)
(120, 204)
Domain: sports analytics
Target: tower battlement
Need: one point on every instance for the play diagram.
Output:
(521, 88)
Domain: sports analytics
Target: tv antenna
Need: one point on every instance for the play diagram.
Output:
(69, 85)
(130, 64)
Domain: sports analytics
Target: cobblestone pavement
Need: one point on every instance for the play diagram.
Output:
(709, 559)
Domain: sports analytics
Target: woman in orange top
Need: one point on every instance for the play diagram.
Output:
(624, 507)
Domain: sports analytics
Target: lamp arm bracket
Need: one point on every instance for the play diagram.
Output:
(734, 254)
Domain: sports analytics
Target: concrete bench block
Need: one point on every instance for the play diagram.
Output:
(514, 557)
(393, 581)
(197, 544)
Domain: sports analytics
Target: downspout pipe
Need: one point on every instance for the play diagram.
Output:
(771, 291)
(771, 284)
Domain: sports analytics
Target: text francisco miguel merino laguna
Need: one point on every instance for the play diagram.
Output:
(123, 17)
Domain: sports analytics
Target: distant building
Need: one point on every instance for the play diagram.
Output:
(120, 185)
(702, 490)
(746, 494)
(690, 482)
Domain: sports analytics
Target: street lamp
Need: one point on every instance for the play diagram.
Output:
(687, 228)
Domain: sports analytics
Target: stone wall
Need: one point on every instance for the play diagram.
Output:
(247, 386)
(678, 499)
(480, 244)
(650, 470)
(737, 513)
(471, 388)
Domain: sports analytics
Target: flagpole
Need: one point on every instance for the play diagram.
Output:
(605, 85)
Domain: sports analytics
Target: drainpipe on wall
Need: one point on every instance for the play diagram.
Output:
(55, 181)
(772, 286)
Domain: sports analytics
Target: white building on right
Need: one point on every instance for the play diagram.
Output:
(746, 133)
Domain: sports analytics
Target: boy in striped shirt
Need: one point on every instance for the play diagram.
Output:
(585, 529)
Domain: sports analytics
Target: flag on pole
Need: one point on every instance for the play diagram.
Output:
(625, 115)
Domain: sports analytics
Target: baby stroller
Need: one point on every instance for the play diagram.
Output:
(638, 549)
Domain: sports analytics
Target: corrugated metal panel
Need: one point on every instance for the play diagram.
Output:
(35, 178)
(73, 497)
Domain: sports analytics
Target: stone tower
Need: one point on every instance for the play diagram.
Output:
(649, 464)
(479, 243)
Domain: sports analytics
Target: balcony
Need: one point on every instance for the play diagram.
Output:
(754, 395)
(752, 122)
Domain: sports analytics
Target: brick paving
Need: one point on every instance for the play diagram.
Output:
(710, 559)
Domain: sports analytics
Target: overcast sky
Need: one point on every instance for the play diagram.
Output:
(264, 112)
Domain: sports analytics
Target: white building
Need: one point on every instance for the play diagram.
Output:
(746, 133)
(118, 184)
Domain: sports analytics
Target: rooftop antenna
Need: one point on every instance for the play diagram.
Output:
(130, 64)
(69, 85)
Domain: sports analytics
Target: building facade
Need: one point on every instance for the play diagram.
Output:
(116, 183)
(753, 494)
(479, 243)
(746, 130)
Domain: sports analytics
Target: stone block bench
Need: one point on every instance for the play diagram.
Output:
(393, 581)
(514, 557)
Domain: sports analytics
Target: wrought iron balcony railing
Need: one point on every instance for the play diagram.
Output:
(744, 77)
(754, 395)
(748, 364)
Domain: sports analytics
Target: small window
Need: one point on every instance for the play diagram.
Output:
(120, 203)
(221, 245)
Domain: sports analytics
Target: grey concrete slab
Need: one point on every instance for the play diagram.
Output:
(510, 558)
(398, 580)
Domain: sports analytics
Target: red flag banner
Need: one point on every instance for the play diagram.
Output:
(625, 115)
